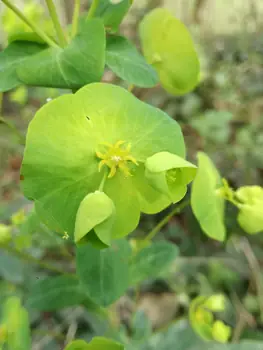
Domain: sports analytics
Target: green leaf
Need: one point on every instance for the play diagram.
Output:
(55, 293)
(207, 205)
(127, 63)
(80, 63)
(96, 212)
(168, 46)
(16, 54)
(111, 13)
(151, 261)
(104, 273)
(58, 178)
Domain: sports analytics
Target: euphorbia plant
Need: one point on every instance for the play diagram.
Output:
(97, 157)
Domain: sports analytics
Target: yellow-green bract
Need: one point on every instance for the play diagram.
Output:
(250, 216)
(92, 160)
(207, 204)
(202, 318)
(168, 46)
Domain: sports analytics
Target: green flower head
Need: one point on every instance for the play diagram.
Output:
(96, 159)
(250, 216)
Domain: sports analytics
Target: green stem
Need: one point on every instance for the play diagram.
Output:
(177, 210)
(93, 8)
(14, 129)
(31, 259)
(54, 16)
(75, 19)
(103, 181)
(31, 24)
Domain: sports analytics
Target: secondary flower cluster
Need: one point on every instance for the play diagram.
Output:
(96, 159)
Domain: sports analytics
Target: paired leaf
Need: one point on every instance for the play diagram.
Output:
(207, 204)
(168, 46)
(127, 63)
(15, 55)
(104, 273)
(55, 293)
(151, 261)
(80, 63)
(112, 12)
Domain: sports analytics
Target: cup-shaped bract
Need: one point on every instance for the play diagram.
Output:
(19, 30)
(5, 234)
(168, 46)
(250, 216)
(207, 204)
(202, 319)
(98, 138)
(169, 174)
(96, 212)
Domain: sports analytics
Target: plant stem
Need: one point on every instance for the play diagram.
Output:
(31, 24)
(103, 181)
(54, 16)
(75, 18)
(14, 129)
(177, 210)
(93, 8)
(256, 272)
(32, 259)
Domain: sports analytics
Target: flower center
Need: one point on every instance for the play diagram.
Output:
(116, 156)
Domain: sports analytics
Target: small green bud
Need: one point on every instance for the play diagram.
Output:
(215, 303)
(18, 218)
(221, 332)
(5, 234)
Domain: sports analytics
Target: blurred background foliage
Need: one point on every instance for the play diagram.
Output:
(223, 116)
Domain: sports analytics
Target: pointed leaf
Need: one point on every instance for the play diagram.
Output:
(16, 54)
(104, 273)
(127, 63)
(80, 63)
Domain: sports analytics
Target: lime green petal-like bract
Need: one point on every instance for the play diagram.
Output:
(207, 205)
(168, 46)
(250, 216)
(66, 143)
